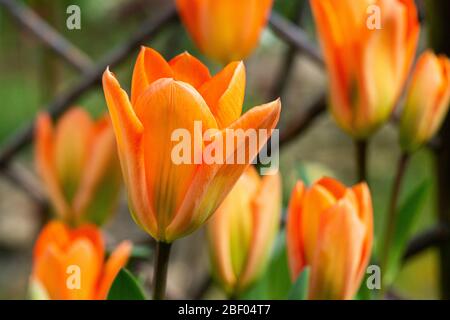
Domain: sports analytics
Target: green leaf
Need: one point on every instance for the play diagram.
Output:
(299, 290)
(364, 293)
(406, 217)
(125, 287)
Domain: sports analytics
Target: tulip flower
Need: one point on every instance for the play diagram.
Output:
(225, 30)
(168, 199)
(68, 264)
(427, 101)
(368, 61)
(329, 229)
(242, 230)
(78, 164)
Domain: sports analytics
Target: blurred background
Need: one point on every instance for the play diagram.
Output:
(32, 76)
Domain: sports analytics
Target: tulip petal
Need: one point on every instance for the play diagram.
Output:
(191, 13)
(317, 200)
(129, 130)
(294, 237)
(91, 233)
(333, 21)
(189, 69)
(51, 259)
(240, 223)
(117, 260)
(212, 182)
(98, 192)
(230, 230)
(367, 67)
(224, 93)
(362, 194)
(219, 249)
(82, 255)
(338, 252)
(438, 113)
(54, 232)
(225, 30)
(54, 270)
(427, 101)
(256, 17)
(150, 66)
(73, 133)
(266, 217)
(46, 165)
(235, 27)
(386, 60)
(336, 188)
(175, 107)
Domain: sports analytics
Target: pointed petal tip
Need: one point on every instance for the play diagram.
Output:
(42, 117)
(299, 185)
(236, 65)
(363, 185)
(125, 248)
(107, 74)
(239, 65)
(267, 114)
(273, 107)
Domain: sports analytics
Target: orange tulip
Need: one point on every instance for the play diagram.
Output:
(225, 30)
(78, 165)
(329, 229)
(242, 230)
(427, 101)
(170, 200)
(367, 66)
(61, 253)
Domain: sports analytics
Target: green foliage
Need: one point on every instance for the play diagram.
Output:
(406, 217)
(125, 287)
(299, 290)
(288, 9)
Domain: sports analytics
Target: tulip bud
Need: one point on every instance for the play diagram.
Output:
(68, 264)
(78, 165)
(225, 30)
(170, 199)
(427, 101)
(329, 229)
(368, 63)
(242, 230)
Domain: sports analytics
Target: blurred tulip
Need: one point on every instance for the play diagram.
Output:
(225, 30)
(367, 67)
(427, 101)
(242, 230)
(171, 200)
(61, 253)
(329, 229)
(77, 162)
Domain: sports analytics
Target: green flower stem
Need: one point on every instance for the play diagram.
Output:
(389, 230)
(361, 147)
(160, 271)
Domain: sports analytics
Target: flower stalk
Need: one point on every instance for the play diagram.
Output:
(160, 271)
(361, 147)
(391, 220)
